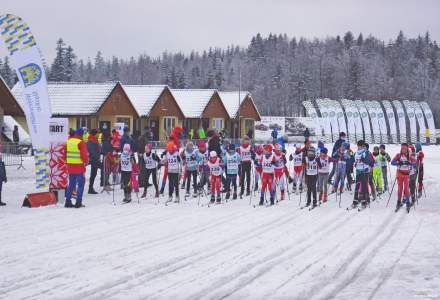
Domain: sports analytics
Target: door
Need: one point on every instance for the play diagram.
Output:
(105, 126)
(154, 125)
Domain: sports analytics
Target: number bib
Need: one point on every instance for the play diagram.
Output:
(245, 153)
(173, 162)
(297, 160)
(325, 165)
(267, 164)
(311, 167)
(150, 163)
(126, 162)
(215, 168)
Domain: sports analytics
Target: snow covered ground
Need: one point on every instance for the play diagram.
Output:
(233, 251)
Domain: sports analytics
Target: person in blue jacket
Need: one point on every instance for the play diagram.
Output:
(232, 160)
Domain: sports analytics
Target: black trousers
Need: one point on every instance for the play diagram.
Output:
(173, 184)
(420, 178)
(412, 186)
(153, 174)
(311, 181)
(93, 172)
(126, 181)
(361, 189)
(192, 174)
(245, 173)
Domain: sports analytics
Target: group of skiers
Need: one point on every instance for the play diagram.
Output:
(233, 170)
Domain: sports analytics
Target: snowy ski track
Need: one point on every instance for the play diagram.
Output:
(228, 251)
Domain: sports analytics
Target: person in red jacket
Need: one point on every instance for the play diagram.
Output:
(420, 169)
(77, 158)
(403, 161)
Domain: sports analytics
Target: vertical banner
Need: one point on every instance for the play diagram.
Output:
(58, 132)
(391, 120)
(333, 119)
(420, 121)
(340, 116)
(374, 121)
(401, 121)
(311, 112)
(412, 120)
(347, 105)
(431, 132)
(26, 59)
(382, 123)
(326, 120)
(365, 120)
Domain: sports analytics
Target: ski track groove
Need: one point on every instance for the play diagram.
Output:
(25, 281)
(181, 262)
(380, 237)
(385, 276)
(236, 257)
(273, 259)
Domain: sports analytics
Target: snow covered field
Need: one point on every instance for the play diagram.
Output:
(233, 251)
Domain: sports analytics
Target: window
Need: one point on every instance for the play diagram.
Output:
(249, 125)
(217, 123)
(124, 120)
(83, 122)
(169, 123)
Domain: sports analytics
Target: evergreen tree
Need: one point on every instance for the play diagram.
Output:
(7, 73)
(58, 70)
(69, 64)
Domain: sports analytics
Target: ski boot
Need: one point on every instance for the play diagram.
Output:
(325, 198)
(177, 200)
(212, 198)
(157, 194)
(79, 205)
(68, 204)
(314, 204)
(398, 205)
(272, 201)
(219, 199)
(248, 193)
(282, 196)
(228, 195)
(321, 197)
(256, 187)
(234, 196)
(307, 204)
(3, 204)
(419, 193)
(144, 194)
(261, 203)
(408, 204)
(241, 195)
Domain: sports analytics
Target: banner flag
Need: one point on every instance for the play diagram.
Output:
(391, 120)
(412, 120)
(333, 118)
(420, 120)
(383, 129)
(311, 112)
(430, 120)
(351, 126)
(365, 120)
(340, 116)
(371, 108)
(326, 120)
(401, 120)
(26, 59)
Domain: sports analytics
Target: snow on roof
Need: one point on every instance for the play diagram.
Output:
(230, 101)
(143, 97)
(192, 102)
(77, 98)
(9, 123)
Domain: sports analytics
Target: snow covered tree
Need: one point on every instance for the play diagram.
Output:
(58, 70)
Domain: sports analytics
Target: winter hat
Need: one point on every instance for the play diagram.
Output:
(79, 132)
(360, 143)
(376, 148)
(342, 134)
(367, 146)
(202, 144)
(268, 148)
(213, 154)
(231, 147)
(126, 148)
(418, 147)
(259, 149)
(170, 146)
(189, 145)
(311, 151)
(126, 129)
(412, 148)
(404, 147)
(324, 150)
(148, 147)
(382, 146)
(320, 145)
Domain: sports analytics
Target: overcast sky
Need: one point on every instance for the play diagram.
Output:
(131, 27)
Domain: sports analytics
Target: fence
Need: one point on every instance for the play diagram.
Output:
(12, 153)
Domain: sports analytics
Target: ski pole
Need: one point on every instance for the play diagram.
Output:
(392, 189)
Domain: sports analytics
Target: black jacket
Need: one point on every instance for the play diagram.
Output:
(3, 177)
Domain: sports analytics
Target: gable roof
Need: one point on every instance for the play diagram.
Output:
(8, 102)
(68, 98)
(143, 97)
(230, 100)
(192, 102)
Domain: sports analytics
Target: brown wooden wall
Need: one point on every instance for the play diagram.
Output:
(166, 105)
(117, 103)
(248, 110)
(8, 102)
(215, 108)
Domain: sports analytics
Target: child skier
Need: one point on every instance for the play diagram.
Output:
(190, 158)
(385, 160)
(127, 162)
(151, 161)
(267, 164)
(246, 154)
(280, 166)
(341, 158)
(3, 178)
(258, 169)
(377, 170)
(403, 161)
(173, 164)
(323, 162)
(370, 165)
(216, 170)
(202, 157)
(297, 158)
(362, 158)
(420, 169)
(232, 160)
(311, 174)
(413, 175)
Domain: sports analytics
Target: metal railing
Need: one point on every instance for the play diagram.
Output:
(12, 153)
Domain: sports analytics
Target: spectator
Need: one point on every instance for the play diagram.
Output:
(191, 134)
(77, 158)
(274, 134)
(214, 144)
(201, 132)
(3, 178)
(106, 148)
(116, 139)
(94, 158)
(338, 144)
(15, 135)
(306, 133)
(126, 139)
(250, 134)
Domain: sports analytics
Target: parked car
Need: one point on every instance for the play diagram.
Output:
(261, 127)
